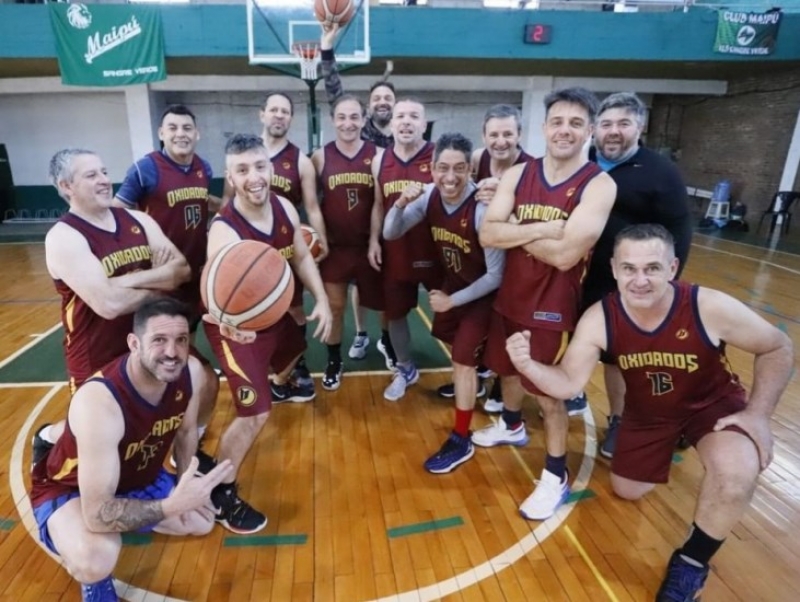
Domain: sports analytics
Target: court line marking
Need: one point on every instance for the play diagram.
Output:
(754, 259)
(28, 345)
(743, 244)
(23, 503)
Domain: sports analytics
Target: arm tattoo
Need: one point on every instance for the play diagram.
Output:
(120, 515)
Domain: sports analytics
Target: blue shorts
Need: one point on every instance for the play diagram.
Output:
(158, 490)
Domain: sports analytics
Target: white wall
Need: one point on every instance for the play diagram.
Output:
(35, 126)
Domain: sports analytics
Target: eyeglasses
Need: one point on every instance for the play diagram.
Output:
(459, 169)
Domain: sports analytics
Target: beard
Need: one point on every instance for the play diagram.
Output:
(382, 116)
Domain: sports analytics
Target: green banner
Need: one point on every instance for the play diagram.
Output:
(111, 45)
(748, 34)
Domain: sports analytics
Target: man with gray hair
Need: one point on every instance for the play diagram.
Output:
(649, 190)
(105, 262)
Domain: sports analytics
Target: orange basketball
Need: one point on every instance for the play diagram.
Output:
(334, 11)
(248, 285)
(311, 236)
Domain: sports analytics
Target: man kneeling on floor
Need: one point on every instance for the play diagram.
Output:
(104, 476)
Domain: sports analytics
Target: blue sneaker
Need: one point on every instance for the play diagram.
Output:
(455, 451)
(683, 580)
(610, 442)
(402, 379)
(102, 591)
(577, 405)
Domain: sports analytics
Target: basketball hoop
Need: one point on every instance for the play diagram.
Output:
(309, 55)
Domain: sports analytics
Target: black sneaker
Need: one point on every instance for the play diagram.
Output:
(455, 451)
(448, 391)
(683, 581)
(301, 374)
(233, 512)
(683, 443)
(40, 447)
(205, 463)
(484, 372)
(332, 379)
(291, 392)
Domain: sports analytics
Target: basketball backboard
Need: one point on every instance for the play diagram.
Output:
(275, 26)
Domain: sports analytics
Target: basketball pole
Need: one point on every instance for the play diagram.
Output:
(313, 116)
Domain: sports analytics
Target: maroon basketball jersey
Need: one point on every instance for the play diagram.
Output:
(532, 292)
(348, 194)
(282, 235)
(179, 204)
(673, 368)
(411, 257)
(149, 432)
(485, 164)
(456, 238)
(90, 342)
(286, 174)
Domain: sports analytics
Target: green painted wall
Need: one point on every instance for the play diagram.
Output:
(220, 30)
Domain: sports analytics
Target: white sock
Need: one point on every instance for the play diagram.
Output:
(45, 434)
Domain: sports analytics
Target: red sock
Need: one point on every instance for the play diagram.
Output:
(463, 419)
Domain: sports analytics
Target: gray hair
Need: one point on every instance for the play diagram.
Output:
(241, 143)
(61, 164)
(502, 112)
(627, 101)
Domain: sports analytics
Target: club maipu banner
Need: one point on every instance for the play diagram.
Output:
(748, 34)
(111, 45)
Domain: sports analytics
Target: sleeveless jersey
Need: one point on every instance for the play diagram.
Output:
(533, 293)
(348, 194)
(282, 235)
(90, 342)
(411, 257)
(673, 368)
(149, 432)
(179, 204)
(456, 238)
(286, 174)
(485, 164)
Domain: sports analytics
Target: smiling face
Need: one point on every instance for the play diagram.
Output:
(501, 138)
(381, 104)
(567, 127)
(348, 120)
(88, 185)
(643, 270)
(250, 173)
(408, 122)
(179, 135)
(617, 133)
(162, 349)
(276, 116)
(450, 174)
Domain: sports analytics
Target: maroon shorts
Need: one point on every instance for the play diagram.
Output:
(297, 298)
(547, 347)
(401, 296)
(465, 328)
(645, 445)
(350, 264)
(247, 367)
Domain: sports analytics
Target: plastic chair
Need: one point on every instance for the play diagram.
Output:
(780, 209)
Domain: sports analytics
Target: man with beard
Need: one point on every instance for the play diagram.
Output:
(669, 340)
(257, 213)
(105, 477)
(400, 173)
(649, 190)
(377, 129)
(541, 283)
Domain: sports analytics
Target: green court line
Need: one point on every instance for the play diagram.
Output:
(265, 540)
(583, 494)
(433, 525)
(677, 458)
(6, 524)
(136, 539)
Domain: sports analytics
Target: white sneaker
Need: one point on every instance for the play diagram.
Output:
(498, 433)
(547, 497)
(390, 363)
(403, 378)
(493, 406)
(358, 350)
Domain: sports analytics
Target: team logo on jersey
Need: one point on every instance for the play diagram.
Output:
(179, 395)
(682, 334)
(367, 161)
(286, 165)
(199, 173)
(424, 168)
(136, 229)
(464, 222)
(246, 395)
(570, 192)
(284, 230)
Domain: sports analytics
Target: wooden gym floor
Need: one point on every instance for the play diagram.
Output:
(353, 516)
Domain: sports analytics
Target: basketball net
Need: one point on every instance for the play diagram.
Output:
(309, 55)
